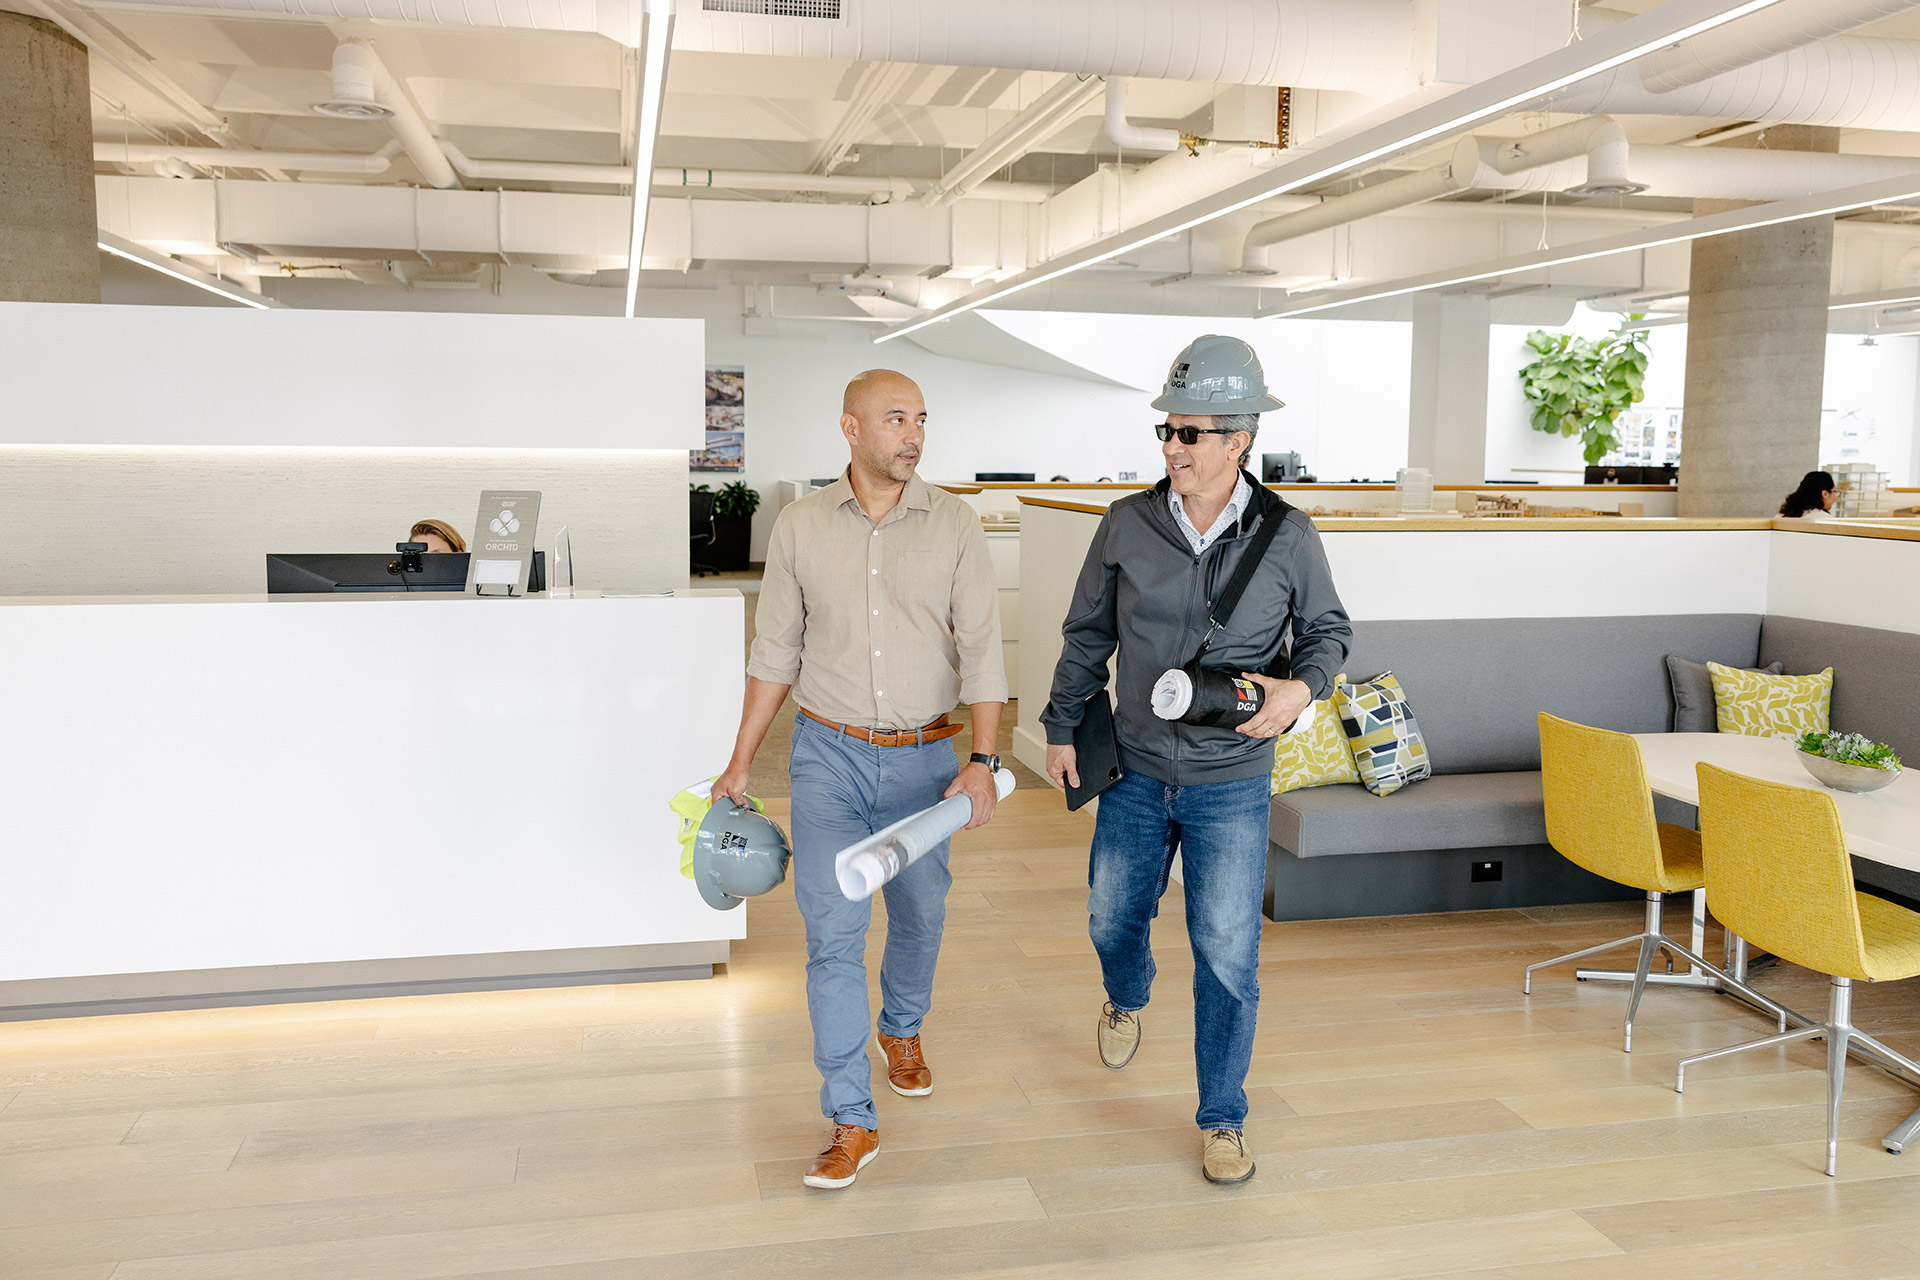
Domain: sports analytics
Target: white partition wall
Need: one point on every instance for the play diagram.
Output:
(131, 375)
(1860, 581)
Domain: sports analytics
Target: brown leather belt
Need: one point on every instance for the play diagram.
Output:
(936, 731)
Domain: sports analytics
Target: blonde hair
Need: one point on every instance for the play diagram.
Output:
(440, 528)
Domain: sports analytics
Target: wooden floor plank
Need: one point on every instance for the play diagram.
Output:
(1412, 1114)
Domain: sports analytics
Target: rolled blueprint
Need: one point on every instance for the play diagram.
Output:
(863, 867)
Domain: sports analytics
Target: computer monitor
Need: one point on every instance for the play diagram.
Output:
(1003, 477)
(378, 572)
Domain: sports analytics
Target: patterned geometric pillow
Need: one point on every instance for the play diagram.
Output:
(1764, 706)
(1387, 746)
(1317, 756)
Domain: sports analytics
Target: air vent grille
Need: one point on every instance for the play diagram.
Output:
(829, 9)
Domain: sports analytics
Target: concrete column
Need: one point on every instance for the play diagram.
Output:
(1756, 354)
(47, 226)
(1447, 413)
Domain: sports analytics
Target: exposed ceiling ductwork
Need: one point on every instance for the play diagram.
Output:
(1789, 25)
(1587, 157)
(1352, 45)
(363, 88)
(1852, 82)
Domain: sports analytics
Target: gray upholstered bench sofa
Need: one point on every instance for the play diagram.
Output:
(1475, 686)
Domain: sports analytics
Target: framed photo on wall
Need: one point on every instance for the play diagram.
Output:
(726, 448)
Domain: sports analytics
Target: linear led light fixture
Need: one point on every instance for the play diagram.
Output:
(653, 90)
(152, 261)
(1674, 21)
(1885, 298)
(1819, 204)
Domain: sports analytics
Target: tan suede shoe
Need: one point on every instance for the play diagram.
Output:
(1118, 1036)
(907, 1072)
(1223, 1155)
(853, 1148)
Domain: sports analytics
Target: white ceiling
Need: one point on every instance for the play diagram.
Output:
(249, 82)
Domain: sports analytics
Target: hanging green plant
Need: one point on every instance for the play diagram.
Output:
(1580, 388)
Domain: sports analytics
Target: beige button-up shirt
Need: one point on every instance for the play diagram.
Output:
(886, 625)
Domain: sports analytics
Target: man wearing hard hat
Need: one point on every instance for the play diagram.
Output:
(1160, 563)
(879, 611)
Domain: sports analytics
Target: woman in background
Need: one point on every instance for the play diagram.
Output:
(438, 535)
(1812, 500)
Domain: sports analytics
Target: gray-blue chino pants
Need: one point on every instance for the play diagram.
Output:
(845, 790)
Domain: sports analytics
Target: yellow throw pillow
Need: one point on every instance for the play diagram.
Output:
(1317, 756)
(1764, 706)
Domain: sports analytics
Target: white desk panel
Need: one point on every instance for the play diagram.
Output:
(212, 784)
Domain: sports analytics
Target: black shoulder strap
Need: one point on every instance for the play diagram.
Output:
(1220, 610)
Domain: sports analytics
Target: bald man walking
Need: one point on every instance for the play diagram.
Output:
(878, 610)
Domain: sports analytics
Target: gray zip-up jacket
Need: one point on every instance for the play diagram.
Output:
(1144, 591)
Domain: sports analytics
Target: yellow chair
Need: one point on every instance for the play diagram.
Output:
(1778, 874)
(1600, 817)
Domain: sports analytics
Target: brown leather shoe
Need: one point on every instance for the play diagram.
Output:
(1223, 1156)
(853, 1147)
(907, 1072)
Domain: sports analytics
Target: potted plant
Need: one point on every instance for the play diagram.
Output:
(733, 509)
(1580, 388)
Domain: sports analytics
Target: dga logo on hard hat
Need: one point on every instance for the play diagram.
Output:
(1179, 378)
(730, 842)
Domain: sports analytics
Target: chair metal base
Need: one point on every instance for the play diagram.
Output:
(1692, 978)
(1652, 940)
(1842, 1037)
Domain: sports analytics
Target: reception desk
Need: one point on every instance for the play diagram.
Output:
(226, 799)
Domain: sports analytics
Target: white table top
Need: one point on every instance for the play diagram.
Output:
(1883, 825)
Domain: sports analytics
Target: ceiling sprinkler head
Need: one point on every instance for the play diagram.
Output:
(1607, 187)
(354, 109)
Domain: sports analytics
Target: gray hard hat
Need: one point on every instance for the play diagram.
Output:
(737, 854)
(1216, 375)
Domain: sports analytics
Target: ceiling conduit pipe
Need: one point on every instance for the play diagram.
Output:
(876, 187)
(1132, 137)
(1048, 114)
(221, 158)
(1764, 35)
(618, 175)
(364, 89)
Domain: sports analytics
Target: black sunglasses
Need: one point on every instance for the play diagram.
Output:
(1188, 435)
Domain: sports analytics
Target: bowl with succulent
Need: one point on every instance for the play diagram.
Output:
(1848, 761)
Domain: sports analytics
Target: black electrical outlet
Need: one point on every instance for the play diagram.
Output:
(1483, 872)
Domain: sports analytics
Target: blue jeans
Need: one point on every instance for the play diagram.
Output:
(1220, 829)
(843, 791)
